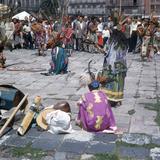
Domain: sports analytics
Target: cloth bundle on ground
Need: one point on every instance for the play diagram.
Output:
(56, 118)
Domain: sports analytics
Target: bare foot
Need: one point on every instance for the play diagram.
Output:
(118, 131)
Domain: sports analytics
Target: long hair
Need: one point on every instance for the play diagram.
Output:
(119, 39)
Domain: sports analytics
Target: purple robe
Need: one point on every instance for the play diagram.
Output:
(95, 113)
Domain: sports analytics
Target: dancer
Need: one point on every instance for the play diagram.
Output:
(95, 114)
(114, 70)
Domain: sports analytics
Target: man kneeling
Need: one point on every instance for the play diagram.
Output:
(95, 114)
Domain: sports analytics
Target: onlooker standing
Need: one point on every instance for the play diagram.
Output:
(110, 23)
(105, 34)
(9, 31)
(18, 34)
(127, 32)
(28, 42)
(133, 41)
(80, 31)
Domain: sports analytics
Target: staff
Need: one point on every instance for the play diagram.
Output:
(12, 115)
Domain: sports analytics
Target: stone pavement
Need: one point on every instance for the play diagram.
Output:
(141, 138)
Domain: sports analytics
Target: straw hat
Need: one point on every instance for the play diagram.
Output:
(56, 121)
(41, 119)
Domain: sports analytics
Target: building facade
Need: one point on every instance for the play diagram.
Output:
(126, 6)
(26, 5)
(155, 7)
(87, 7)
(97, 7)
(30, 5)
(104, 7)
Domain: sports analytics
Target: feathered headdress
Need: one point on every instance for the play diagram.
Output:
(88, 77)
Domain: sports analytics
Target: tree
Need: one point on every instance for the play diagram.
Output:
(49, 7)
(7, 11)
(54, 7)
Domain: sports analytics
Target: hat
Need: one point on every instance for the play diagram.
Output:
(56, 121)
(41, 119)
(94, 85)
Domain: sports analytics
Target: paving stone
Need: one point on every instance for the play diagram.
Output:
(60, 156)
(67, 91)
(144, 112)
(33, 132)
(134, 152)
(73, 156)
(155, 153)
(122, 118)
(13, 158)
(17, 141)
(149, 121)
(46, 144)
(81, 136)
(60, 97)
(156, 140)
(106, 138)
(86, 156)
(73, 147)
(137, 139)
(123, 126)
(141, 128)
(48, 158)
(75, 97)
(145, 101)
(4, 138)
(51, 136)
(99, 147)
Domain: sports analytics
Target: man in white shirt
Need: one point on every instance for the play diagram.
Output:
(133, 40)
(105, 34)
(9, 31)
(28, 42)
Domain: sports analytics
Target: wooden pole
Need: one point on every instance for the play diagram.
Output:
(12, 115)
(120, 7)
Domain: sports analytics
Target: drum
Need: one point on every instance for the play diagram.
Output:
(10, 97)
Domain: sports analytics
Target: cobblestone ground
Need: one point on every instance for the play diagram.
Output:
(141, 138)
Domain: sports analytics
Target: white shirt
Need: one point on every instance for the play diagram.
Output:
(100, 27)
(81, 24)
(9, 26)
(106, 33)
(133, 27)
(26, 28)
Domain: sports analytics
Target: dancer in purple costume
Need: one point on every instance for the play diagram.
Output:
(95, 114)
